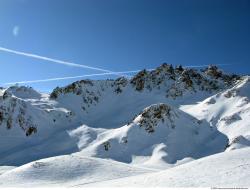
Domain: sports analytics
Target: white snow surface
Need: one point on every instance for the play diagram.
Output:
(227, 169)
(69, 170)
(229, 112)
(174, 137)
(175, 122)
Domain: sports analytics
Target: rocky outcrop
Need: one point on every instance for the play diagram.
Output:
(177, 81)
(119, 84)
(151, 116)
(138, 81)
(238, 142)
(13, 113)
(174, 81)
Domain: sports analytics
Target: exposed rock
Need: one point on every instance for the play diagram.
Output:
(13, 113)
(230, 93)
(6, 94)
(31, 130)
(185, 77)
(151, 116)
(106, 145)
(75, 88)
(119, 84)
(139, 80)
(238, 142)
(230, 119)
(211, 101)
(213, 71)
(174, 91)
(175, 81)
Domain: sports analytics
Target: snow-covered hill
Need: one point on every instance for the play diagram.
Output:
(28, 124)
(229, 112)
(68, 170)
(157, 119)
(30, 120)
(160, 135)
(96, 102)
(225, 170)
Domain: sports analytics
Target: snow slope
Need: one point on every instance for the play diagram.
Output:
(4, 169)
(24, 92)
(159, 136)
(159, 119)
(30, 124)
(68, 170)
(39, 125)
(229, 111)
(96, 102)
(227, 169)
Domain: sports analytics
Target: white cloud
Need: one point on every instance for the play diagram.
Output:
(15, 31)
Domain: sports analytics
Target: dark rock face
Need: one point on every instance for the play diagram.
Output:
(31, 130)
(72, 88)
(216, 73)
(106, 145)
(151, 116)
(240, 140)
(13, 112)
(213, 71)
(230, 119)
(174, 81)
(138, 81)
(190, 79)
(119, 84)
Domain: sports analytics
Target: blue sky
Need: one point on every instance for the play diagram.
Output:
(120, 35)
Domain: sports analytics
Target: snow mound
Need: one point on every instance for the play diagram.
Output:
(228, 169)
(160, 134)
(68, 170)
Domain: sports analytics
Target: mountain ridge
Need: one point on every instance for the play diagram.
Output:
(102, 104)
(93, 132)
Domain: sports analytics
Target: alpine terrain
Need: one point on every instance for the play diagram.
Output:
(168, 127)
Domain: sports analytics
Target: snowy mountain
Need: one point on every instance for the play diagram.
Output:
(158, 135)
(229, 112)
(157, 120)
(90, 100)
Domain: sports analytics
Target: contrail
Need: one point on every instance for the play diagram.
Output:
(73, 77)
(96, 74)
(67, 63)
(56, 61)
(198, 66)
